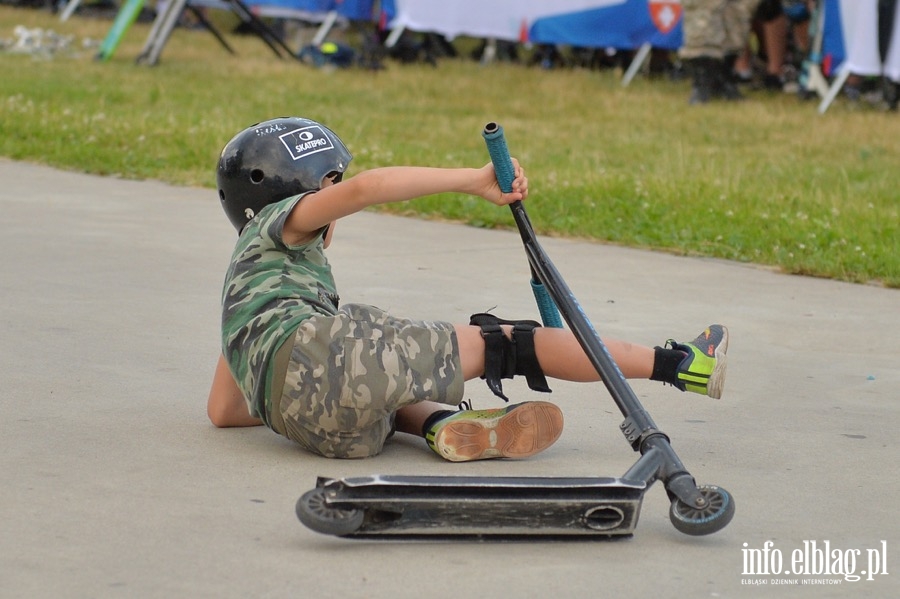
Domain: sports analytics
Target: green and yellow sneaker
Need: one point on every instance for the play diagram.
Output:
(703, 369)
(516, 431)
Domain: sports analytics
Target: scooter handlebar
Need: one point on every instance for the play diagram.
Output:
(496, 145)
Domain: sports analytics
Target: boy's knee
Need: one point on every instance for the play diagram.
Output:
(509, 353)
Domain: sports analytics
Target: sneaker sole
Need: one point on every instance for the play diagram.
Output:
(716, 384)
(522, 432)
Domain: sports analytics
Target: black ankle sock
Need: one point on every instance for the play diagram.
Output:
(665, 364)
(434, 417)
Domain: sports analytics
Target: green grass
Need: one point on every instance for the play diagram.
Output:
(767, 181)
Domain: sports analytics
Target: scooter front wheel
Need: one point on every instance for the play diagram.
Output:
(712, 517)
(315, 513)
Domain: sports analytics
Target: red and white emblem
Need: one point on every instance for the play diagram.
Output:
(666, 14)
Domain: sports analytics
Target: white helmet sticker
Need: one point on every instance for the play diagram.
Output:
(305, 141)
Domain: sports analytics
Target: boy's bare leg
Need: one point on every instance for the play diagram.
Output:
(560, 355)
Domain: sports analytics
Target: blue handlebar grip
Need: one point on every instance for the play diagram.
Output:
(496, 145)
(546, 306)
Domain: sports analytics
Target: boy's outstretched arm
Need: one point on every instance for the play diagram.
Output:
(395, 184)
(226, 406)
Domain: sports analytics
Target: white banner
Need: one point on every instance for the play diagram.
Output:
(499, 19)
(859, 29)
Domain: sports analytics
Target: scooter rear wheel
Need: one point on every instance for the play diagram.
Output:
(315, 513)
(713, 517)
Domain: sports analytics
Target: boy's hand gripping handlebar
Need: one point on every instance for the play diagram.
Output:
(503, 167)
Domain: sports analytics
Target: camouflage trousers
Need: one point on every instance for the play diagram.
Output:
(715, 28)
(349, 373)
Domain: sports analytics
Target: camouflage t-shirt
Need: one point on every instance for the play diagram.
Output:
(270, 288)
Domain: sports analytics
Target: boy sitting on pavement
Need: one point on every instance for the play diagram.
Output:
(341, 381)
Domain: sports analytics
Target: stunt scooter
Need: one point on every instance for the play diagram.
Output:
(400, 506)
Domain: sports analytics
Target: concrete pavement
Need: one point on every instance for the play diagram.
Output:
(116, 485)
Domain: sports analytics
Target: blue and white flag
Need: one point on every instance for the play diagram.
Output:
(622, 24)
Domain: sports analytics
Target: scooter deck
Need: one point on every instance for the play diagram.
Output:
(448, 506)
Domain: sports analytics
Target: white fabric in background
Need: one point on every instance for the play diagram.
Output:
(498, 19)
(859, 24)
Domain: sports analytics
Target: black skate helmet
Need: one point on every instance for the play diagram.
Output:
(274, 160)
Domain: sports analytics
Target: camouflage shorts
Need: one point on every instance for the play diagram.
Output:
(349, 373)
(715, 28)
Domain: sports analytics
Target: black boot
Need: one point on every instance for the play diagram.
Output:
(703, 79)
(891, 91)
(728, 88)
